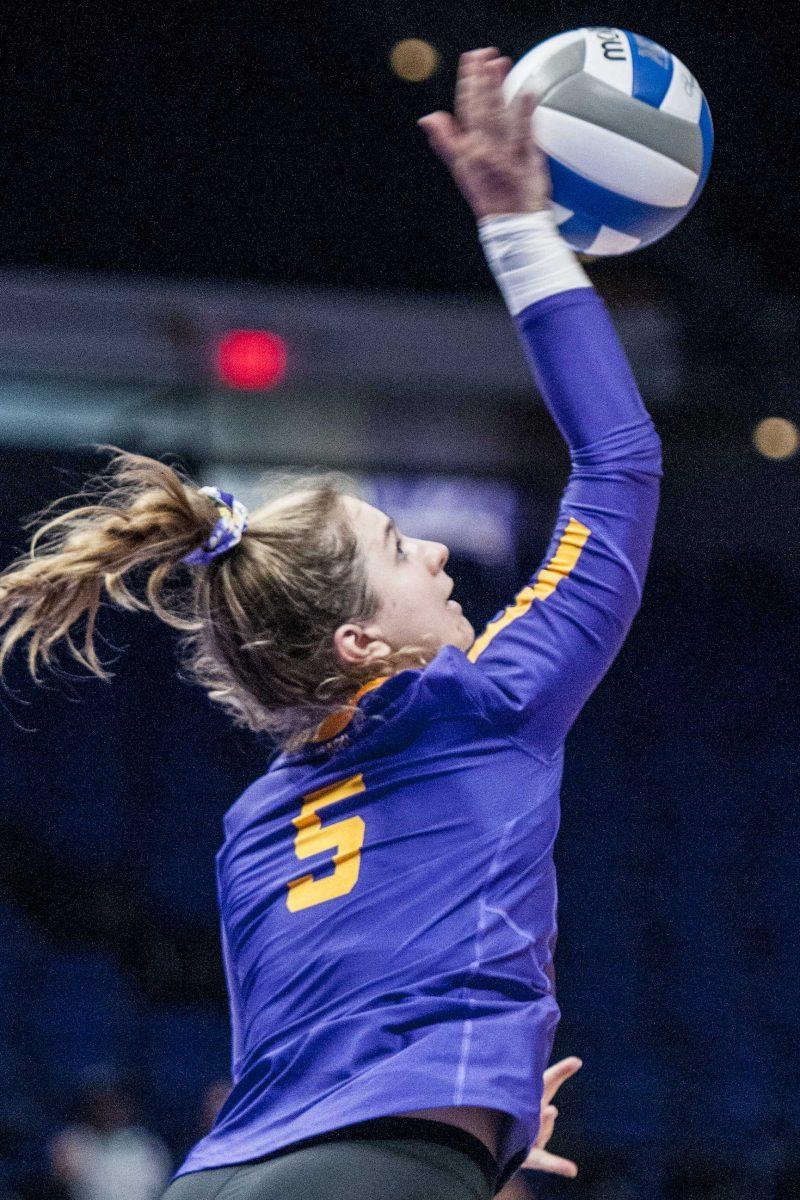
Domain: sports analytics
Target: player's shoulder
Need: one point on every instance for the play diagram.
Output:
(454, 682)
(388, 720)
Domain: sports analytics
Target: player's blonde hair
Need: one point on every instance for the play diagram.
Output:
(257, 622)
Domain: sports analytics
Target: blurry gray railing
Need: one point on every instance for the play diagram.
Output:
(374, 378)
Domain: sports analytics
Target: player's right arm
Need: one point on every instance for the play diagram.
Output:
(546, 652)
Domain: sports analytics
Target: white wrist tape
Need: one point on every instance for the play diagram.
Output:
(529, 258)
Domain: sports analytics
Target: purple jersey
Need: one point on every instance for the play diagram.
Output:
(388, 897)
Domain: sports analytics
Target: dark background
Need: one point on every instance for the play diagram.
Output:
(271, 143)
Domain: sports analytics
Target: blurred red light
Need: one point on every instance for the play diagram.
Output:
(251, 358)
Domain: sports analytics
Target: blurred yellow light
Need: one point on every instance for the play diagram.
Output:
(775, 437)
(414, 60)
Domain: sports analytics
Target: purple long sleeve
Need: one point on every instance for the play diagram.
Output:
(547, 651)
(580, 366)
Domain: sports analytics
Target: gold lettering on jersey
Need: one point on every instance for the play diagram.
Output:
(345, 837)
(560, 566)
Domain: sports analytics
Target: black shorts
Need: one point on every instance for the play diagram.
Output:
(389, 1158)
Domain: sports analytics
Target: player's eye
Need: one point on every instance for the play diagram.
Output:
(401, 549)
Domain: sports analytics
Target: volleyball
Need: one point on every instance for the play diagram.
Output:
(627, 132)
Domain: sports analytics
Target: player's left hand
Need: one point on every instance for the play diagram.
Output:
(538, 1158)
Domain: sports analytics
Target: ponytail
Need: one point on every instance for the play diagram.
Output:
(257, 622)
(145, 515)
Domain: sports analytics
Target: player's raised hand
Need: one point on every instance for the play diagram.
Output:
(488, 145)
(538, 1158)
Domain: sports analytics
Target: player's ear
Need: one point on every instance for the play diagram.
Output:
(355, 646)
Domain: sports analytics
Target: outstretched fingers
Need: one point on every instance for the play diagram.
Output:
(491, 113)
(487, 144)
(445, 131)
(552, 1164)
(554, 1076)
(521, 110)
(547, 1123)
(469, 71)
(442, 134)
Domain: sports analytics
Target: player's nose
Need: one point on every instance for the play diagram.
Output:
(437, 556)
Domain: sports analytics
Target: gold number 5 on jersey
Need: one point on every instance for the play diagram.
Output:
(345, 837)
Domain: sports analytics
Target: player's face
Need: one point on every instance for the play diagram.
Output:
(409, 577)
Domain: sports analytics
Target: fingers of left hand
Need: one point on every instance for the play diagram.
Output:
(546, 1124)
(556, 1075)
(541, 1160)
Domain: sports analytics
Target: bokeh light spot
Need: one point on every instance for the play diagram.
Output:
(414, 60)
(250, 359)
(776, 438)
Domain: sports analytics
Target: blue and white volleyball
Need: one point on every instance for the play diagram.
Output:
(627, 133)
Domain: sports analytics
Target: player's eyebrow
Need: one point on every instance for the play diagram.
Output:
(390, 528)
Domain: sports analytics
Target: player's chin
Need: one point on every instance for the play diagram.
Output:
(457, 630)
(464, 631)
